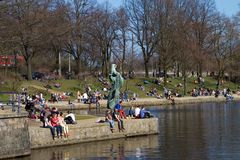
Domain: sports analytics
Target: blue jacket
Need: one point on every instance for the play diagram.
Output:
(118, 106)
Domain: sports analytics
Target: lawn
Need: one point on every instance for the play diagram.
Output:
(82, 117)
(131, 84)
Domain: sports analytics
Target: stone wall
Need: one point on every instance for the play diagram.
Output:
(89, 130)
(14, 133)
(20, 135)
(99, 149)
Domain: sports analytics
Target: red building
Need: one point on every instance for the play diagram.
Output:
(10, 60)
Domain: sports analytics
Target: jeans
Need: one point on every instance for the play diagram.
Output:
(52, 129)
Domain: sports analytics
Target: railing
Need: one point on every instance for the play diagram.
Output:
(14, 102)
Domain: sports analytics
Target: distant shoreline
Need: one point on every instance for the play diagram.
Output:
(146, 102)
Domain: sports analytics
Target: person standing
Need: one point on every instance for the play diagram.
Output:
(78, 96)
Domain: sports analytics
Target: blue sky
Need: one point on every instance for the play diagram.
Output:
(228, 7)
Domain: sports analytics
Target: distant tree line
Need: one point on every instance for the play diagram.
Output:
(157, 36)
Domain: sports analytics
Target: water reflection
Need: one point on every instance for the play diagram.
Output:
(187, 132)
(117, 149)
(203, 131)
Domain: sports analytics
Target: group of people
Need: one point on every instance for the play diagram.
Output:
(118, 114)
(53, 119)
(208, 92)
(88, 96)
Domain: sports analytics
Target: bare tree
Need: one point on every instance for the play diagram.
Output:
(78, 13)
(201, 13)
(57, 32)
(122, 35)
(24, 24)
(184, 43)
(103, 31)
(225, 43)
(141, 17)
(166, 27)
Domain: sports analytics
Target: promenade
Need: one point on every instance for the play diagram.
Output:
(63, 105)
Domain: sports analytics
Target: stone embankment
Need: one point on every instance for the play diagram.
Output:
(14, 136)
(20, 134)
(89, 130)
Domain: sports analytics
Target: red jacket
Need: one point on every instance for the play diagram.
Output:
(55, 121)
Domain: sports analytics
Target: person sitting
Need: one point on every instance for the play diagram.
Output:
(85, 97)
(229, 97)
(57, 85)
(158, 96)
(120, 109)
(63, 125)
(70, 118)
(131, 112)
(45, 116)
(109, 119)
(144, 113)
(56, 125)
(54, 111)
(117, 117)
(137, 112)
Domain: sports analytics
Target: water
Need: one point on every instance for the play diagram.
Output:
(187, 132)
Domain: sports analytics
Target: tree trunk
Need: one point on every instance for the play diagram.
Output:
(103, 67)
(200, 69)
(146, 68)
(124, 54)
(29, 69)
(78, 63)
(219, 74)
(184, 84)
(159, 67)
(59, 65)
(106, 68)
(178, 70)
(165, 76)
(159, 71)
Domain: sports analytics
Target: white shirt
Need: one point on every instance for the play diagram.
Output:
(137, 111)
(85, 96)
(72, 116)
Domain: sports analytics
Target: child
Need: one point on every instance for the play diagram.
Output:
(63, 124)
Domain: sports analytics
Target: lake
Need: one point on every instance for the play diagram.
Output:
(186, 132)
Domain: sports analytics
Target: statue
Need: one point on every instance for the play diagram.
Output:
(117, 82)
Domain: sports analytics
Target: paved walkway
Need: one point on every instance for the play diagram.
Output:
(63, 105)
(146, 102)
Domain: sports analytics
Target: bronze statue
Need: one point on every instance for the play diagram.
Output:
(117, 82)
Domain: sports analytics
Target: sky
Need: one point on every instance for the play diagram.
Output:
(228, 7)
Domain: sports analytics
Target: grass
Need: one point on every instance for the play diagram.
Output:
(83, 117)
(130, 84)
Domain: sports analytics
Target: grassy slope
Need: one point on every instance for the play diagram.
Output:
(75, 85)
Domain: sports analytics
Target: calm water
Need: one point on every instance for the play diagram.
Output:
(198, 131)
